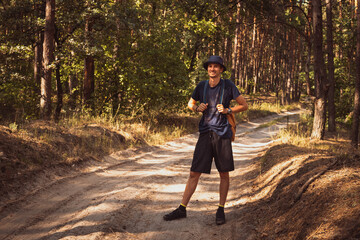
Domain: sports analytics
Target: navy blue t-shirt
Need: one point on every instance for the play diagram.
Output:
(212, 119)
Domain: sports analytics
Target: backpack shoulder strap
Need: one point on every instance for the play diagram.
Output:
(222, 91)
(205, 89)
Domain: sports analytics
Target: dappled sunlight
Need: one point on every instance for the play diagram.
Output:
(299, 193)
(179, 146)
(144, 184)
(267, 182)
(280, 169)
(153, 160)
(173, 188)
(240, 146)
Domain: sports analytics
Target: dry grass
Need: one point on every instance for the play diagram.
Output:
(263, 109)
(297, 134)
(39, 143)
(36, 144)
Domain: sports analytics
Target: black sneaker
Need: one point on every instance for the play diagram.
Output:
(220, 216)
(176, 214)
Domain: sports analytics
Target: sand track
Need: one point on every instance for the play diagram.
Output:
(127, 196)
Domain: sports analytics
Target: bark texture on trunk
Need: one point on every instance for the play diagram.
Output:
(48, 59)
(318, 130)
(38, 52)
(331, 78)
(355, 124)
(59, 93)
(89, 67)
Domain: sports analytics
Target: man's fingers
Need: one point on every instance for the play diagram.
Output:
(202, 107)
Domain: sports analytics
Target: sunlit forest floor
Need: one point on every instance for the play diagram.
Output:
(308, 190)
(297, 189)
(33, 145)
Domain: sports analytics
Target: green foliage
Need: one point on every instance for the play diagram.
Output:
(148, 54)
(345, 86)
(13, 126)
(345, 67)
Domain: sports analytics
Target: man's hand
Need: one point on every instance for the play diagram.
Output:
(221, 109)
(202, 107)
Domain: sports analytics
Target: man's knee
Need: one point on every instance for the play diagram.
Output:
(194, 175)
(224, 175)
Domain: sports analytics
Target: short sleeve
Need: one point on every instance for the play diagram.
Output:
(197, 94)
(235, 91)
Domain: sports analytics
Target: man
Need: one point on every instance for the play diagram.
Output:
(214, 141)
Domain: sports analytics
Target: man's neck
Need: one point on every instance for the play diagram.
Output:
(214, 81)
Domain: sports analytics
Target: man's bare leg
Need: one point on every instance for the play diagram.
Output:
(224, 187)
(190, 187)
(223, 190)
(180, 212)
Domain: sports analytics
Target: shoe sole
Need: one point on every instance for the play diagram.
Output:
(173, 219)
(220, 221)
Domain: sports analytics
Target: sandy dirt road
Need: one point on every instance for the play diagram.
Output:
(126, 196)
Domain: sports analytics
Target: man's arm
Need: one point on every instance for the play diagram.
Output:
(193, 107)
(242, 106)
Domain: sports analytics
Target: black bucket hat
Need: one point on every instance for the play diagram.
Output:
(214, 59)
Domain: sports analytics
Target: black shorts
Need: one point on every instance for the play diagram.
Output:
(210, 146)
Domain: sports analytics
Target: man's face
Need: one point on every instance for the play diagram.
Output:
(214, 70)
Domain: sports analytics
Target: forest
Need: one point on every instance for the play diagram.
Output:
(96, 138)
(125, 57)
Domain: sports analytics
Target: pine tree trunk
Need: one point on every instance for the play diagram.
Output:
(38, 52)
(89, 69)
(59, 92)
(355, 123)
(73, 84)
(253, 57)
(48, 58)
(290, 65)
(88, 80)
(238, 62)
(309, 54)
(285, 62)
(318, 130)
(117, 93)
(235, 50)
(307, 71)
(331, 78)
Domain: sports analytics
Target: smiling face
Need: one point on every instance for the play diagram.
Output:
(214, 70)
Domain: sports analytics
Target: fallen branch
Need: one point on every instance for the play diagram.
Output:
(309, 181)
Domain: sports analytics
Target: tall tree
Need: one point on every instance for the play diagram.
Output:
(234, 67)
(309, 49)
(39, 41)
(355, 124)
(318, 130)
(330, 67)
(38, 52)
(48, 58)
(89, 66)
